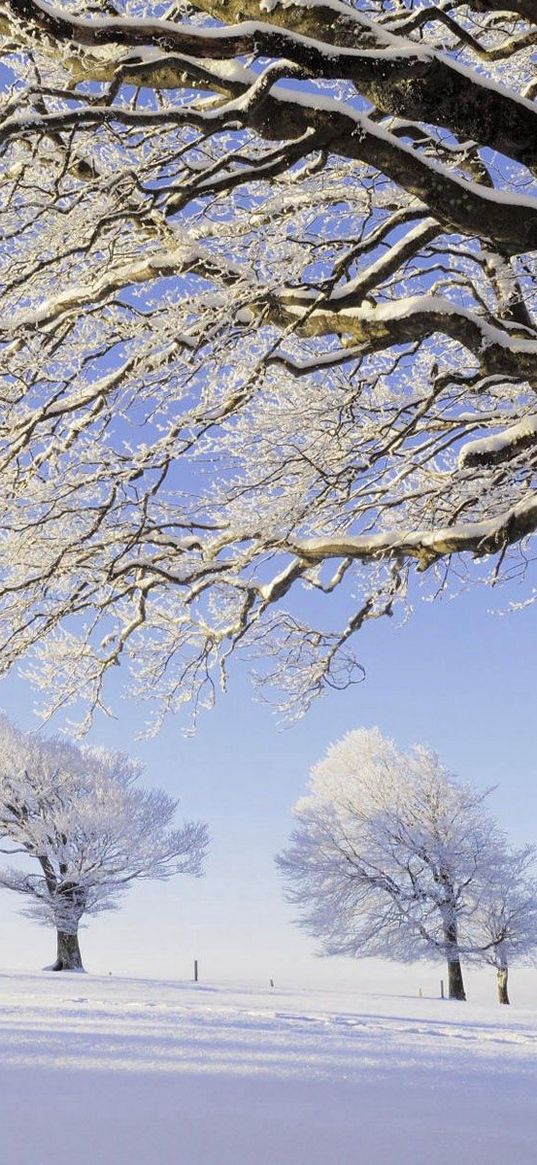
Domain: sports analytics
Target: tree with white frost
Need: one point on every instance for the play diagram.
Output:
(268, 291)
(390, 855)
(505, 922)
(81, 818)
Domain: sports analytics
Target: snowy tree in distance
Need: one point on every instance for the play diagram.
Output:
(390, 856)
(268, 291)
(505, 922)
(91, 830)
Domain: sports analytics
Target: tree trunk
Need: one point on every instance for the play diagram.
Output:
(455, 979)
(68, 957)
(501, 983)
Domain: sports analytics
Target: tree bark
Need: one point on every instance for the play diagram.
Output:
(501, 983)
(455, 979)
(68, 957)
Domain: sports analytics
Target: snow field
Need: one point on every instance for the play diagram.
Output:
(106, 1071)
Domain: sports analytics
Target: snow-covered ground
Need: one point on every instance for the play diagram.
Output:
(105, 1071)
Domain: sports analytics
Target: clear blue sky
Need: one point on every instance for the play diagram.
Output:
(454, 676)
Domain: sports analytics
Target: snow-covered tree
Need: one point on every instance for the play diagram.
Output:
(80, 815)
(390, 854)
(268, 323)
(505, 922)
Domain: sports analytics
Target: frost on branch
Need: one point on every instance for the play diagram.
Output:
(89, 829)
(268, 333)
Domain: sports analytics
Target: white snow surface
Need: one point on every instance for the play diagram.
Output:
(116, 1071)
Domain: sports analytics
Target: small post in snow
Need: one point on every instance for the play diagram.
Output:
(441, 988)
(195, 970)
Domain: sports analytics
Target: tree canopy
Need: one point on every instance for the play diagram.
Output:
(268, 290)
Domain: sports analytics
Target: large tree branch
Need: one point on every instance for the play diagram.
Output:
(427, 546)
(377, 326)
(511, 220)
(401, 78)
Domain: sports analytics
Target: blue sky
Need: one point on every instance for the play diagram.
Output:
(454, 676)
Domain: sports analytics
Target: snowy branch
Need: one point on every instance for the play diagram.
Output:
(269, 333)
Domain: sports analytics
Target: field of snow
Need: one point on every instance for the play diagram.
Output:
(105, 1071)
